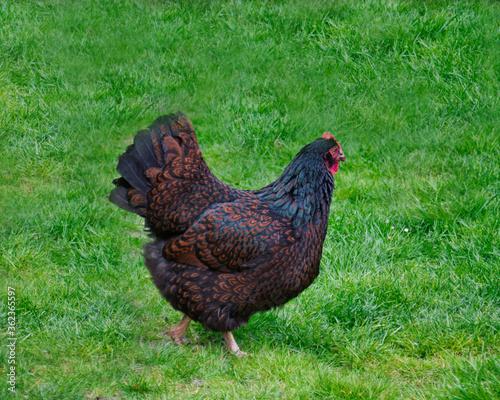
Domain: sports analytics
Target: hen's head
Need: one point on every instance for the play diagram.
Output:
(333, 154)
(304, 190)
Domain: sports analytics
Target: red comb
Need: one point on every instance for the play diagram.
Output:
(328, 135)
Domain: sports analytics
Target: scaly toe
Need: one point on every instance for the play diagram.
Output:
(176, 338)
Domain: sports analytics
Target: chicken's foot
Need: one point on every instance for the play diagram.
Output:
(232, 345)
(179, 332)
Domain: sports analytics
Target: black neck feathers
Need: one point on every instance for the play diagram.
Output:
(303, 192)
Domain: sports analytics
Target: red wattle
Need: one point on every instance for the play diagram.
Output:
(334, 168)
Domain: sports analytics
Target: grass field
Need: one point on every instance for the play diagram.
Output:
(407, 305)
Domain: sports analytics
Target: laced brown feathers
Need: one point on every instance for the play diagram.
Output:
(221, 254)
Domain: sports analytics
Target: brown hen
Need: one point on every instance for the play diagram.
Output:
(221, 254)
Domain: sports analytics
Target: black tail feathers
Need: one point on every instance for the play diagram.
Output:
(144, 160)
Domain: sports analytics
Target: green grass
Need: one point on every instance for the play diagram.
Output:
(407, 304)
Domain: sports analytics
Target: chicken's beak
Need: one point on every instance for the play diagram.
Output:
(342, 156)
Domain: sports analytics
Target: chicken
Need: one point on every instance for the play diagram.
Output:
(221, 254)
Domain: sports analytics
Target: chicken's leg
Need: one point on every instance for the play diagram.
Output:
(232, 345)
(179, 332)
